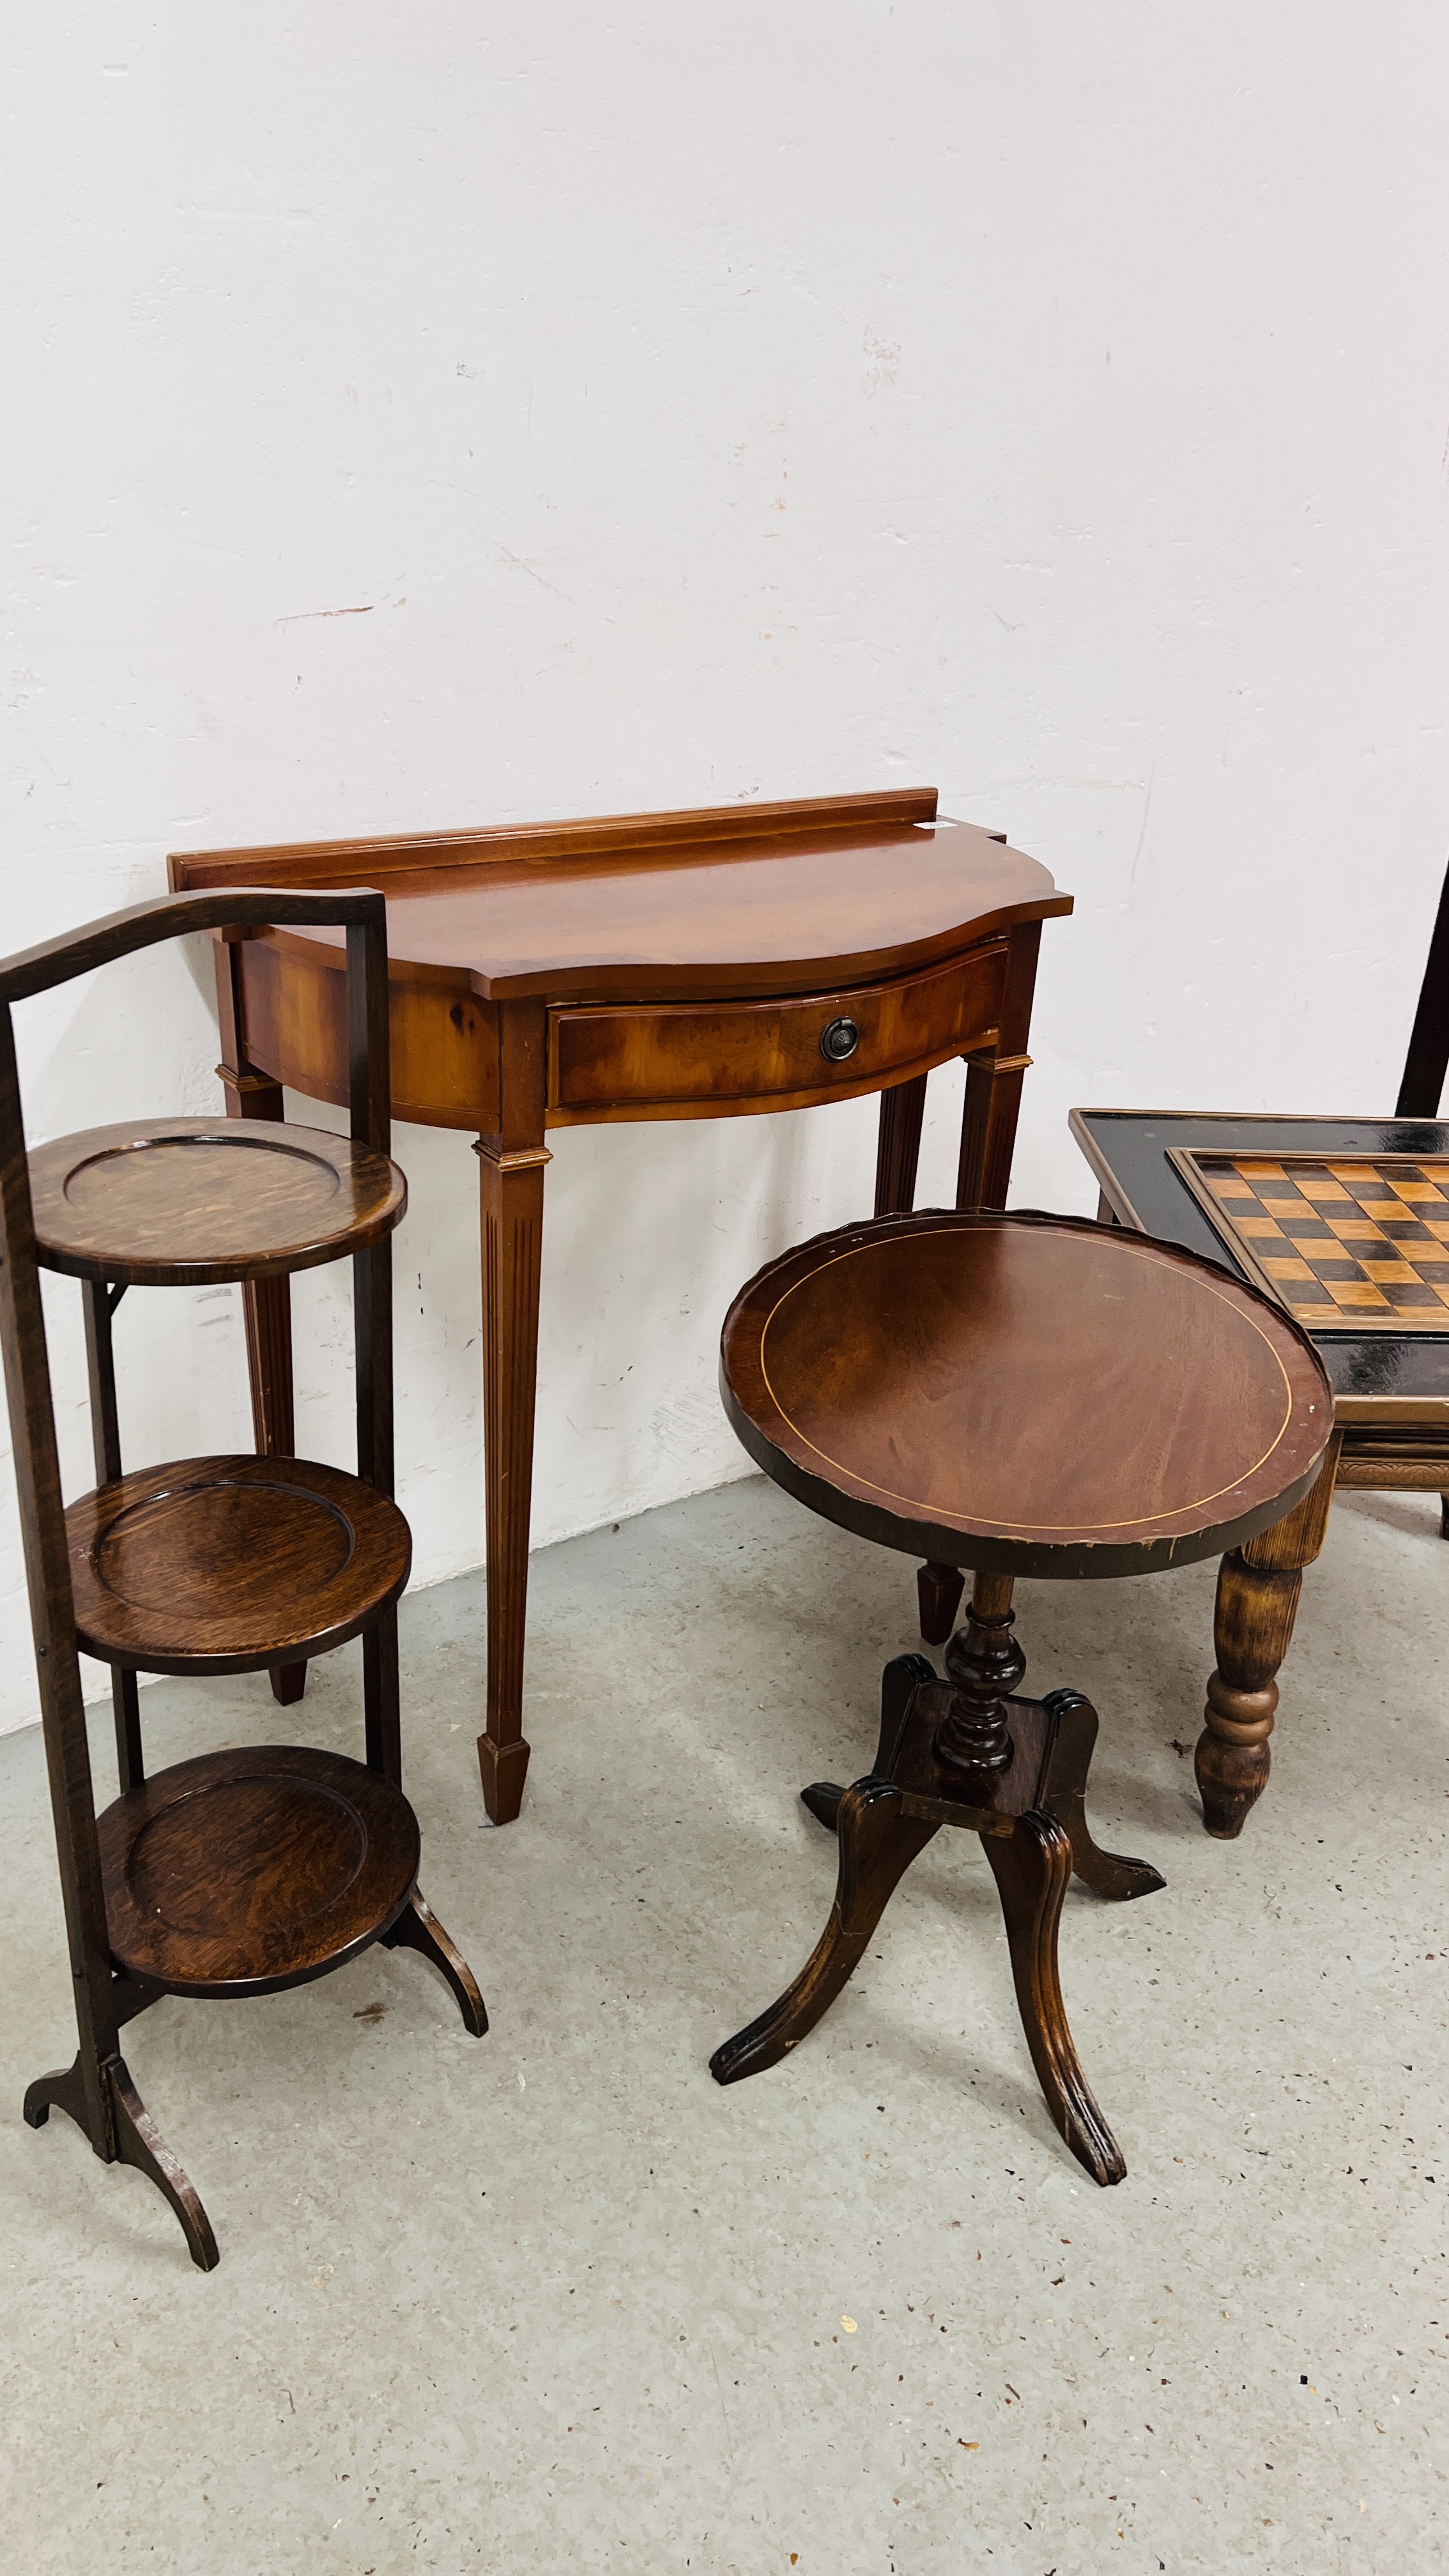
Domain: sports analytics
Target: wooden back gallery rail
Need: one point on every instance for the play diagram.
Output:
(708, 964)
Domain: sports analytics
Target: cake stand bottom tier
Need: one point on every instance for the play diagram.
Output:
(254, 1868)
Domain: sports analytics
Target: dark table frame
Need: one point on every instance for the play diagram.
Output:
(1391, 1399)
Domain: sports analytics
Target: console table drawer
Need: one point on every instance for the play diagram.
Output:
(703, 1060)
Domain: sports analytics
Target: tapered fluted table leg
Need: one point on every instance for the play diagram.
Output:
(898, 1151)
(512, 1227)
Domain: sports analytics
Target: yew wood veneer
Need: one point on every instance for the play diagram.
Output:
(691, 965)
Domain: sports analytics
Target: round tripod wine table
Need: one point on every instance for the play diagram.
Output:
(1022, 1395)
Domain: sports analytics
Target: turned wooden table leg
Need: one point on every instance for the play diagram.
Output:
(511, 1168)
(266, 1303)
(902, 1109)
(1257, 1602)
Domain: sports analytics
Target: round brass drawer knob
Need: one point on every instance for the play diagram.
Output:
(839, 1040)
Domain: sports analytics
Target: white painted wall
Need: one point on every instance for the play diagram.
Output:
(1048, 403)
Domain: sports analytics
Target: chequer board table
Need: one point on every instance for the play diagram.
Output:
(1346, 1222)
(711, 964)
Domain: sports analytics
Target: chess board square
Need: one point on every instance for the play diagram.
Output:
(1360, 1242)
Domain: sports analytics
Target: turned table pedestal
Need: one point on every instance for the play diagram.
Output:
(1022, 1395)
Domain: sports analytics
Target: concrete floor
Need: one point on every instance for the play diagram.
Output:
(555, 2301)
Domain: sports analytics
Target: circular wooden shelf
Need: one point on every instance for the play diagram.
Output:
(1025, 1394)
(248, 1870)
(221, 1565)
(178, 1202)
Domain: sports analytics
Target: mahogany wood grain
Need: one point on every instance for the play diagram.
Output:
(181, 1202)
(1021, 1394)
(878, 1843)
(248, 1870)
(1026, 1394)
(228, 1564)
(1033, 1872)
(1027, 1804)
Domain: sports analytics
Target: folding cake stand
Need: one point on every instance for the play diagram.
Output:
(246, 1870)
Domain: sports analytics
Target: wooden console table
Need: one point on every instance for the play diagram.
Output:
(694, 965)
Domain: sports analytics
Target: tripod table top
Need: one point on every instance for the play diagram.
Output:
(1026, 1394)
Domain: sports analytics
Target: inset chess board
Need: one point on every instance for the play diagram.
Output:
(1355, 1241)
